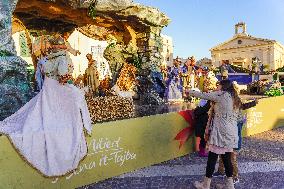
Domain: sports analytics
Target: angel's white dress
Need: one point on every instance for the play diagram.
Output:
(48, 130)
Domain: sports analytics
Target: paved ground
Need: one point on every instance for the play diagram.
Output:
(261, 164)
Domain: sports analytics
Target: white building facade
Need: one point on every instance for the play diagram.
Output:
(243, 48)
(168, 50)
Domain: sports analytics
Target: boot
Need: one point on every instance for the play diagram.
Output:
(202, 152)
(229, 184)
(205, 184)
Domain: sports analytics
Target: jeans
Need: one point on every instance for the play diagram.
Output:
(240, 127)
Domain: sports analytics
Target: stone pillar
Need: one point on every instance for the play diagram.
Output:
(244, 28)
(142, 45)
(149, 50)
(236, 29)
(272, 60)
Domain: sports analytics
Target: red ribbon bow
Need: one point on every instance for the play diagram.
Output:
(184, 134)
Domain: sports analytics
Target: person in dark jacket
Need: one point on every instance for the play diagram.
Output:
(201, 118)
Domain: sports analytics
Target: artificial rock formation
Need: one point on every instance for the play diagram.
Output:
(14, 86)
(136, 28)
(133, 25)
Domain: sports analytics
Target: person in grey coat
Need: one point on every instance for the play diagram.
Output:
(223, 137)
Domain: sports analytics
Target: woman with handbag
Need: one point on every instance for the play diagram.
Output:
(223, 131)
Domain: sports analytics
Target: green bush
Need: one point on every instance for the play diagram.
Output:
(273, 92)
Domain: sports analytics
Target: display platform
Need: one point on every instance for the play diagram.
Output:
(123, 146)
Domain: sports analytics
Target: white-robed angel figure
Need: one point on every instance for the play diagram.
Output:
(48, 130)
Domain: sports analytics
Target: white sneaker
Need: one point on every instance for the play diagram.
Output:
(236, 180)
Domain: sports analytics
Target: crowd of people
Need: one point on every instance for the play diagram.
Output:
(183, 76)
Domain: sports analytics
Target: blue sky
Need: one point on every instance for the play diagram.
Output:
(198, 25)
